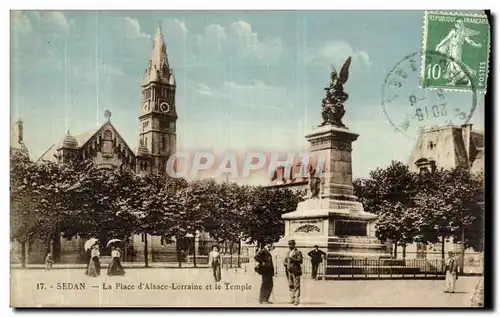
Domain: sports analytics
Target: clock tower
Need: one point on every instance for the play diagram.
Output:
(158, 115)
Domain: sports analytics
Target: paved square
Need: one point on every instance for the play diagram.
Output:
(180, 289)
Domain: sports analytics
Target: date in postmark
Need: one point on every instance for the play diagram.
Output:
(411, 109)
(463, 43)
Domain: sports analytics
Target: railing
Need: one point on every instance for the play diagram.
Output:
(373, 268)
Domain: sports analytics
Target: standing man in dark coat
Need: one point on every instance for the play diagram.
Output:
(265, 268)
(316, 256)
(293, 268)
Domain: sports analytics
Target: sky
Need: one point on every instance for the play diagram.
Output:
(245, 80)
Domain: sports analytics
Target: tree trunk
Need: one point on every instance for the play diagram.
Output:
(395, 254)
(239, 253)
(178, 249)
(194, 248)
(145, 250)
(463, 252)
(23, 254)
(231, 255)
(442, 248)
(404, 251)
(125, 247)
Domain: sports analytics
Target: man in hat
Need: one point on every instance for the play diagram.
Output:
(265, 268)
(316, 256)
(451, 273)
(293, 269)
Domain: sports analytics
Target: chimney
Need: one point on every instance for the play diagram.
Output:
(466, 134)
(18, 131)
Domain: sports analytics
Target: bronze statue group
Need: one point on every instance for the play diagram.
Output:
(93, 269)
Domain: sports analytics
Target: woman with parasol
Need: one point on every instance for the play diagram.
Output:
(94, 265)
(115, 268)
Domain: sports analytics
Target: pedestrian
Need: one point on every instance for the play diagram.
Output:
(115, 268)
(94, 265)
(316, 256)
(451, 273)
(477, 299)
(265, 268)
(293, 269)
(214, 262)
(48, 262)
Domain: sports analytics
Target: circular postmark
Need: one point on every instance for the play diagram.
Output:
(411, 109)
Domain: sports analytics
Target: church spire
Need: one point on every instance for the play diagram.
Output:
(158, 69)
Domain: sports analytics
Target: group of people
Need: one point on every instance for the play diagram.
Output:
(293, 269)
(94, 264)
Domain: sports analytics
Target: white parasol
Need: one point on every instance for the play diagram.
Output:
(113, 241)
(89, 243)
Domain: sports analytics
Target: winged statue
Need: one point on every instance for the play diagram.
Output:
(337, 81)
(333, 103)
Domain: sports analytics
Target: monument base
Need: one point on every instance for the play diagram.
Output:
(340, 228)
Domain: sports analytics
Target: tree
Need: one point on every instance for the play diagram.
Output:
(231, 206)
(452, 204)
(93, 201)
(153, 202)
(263, 220)
(389, 193)
(33, 190)
(394, 183)
(196, 204)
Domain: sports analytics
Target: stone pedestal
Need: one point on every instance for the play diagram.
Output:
(335, 221)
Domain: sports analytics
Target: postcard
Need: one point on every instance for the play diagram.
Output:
(248, 158)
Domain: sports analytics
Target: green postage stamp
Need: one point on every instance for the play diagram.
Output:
(455, 53)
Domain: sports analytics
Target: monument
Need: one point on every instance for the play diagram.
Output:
(331, 217)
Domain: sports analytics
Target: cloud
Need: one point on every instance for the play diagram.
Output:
(34, 34)
(239, 41)
(56, 19)
(214, 36)
(132, 29)
(21, 23)
(203, 89)
(175, 28)
(335, 53)
(257, 95)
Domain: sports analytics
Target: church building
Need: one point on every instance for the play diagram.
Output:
(105, 146)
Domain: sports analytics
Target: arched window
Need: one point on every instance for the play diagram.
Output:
(107, 143)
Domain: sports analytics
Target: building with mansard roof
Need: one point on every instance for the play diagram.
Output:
(447, 147)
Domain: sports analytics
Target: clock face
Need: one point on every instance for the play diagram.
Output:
(145, 107)
(164, 107)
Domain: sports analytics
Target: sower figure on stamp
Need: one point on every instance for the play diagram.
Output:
(316, 256)
(265, 268)
(451, 271)
(293, 269)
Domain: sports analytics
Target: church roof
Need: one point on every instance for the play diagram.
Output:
(68, 142)
(78, 141)
(158, 69)
(142, 151)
